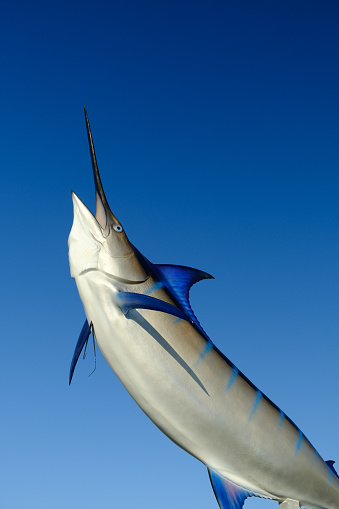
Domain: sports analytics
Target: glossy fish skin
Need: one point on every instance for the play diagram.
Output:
(187, 387)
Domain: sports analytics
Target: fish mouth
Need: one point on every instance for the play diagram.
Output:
(115, 278)
(103, 213)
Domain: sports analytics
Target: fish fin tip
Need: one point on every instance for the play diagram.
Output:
(181, 276)
(83, 337)
(330, 464)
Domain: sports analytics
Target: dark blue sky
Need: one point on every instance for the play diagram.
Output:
(216, 131)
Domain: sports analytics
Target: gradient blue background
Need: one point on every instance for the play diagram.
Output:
(216, 130)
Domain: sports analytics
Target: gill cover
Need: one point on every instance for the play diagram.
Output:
(100, 242)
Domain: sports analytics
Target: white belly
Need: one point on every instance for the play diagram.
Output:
(188, 395)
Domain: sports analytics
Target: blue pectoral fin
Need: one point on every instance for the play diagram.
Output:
(84, 335)
(129, 301)
(228, 495)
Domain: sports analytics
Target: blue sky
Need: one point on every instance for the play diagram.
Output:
(216, 131)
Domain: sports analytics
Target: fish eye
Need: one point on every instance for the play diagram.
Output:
(118, 228)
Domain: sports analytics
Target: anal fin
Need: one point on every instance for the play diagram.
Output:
(228, 495)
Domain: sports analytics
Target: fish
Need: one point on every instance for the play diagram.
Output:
(140, 317)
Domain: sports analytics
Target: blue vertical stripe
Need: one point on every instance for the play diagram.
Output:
(156, 286)
(282, 415)
(329, 478)
(232, 378)
(255, 405)
(299, 442)
(205, 351)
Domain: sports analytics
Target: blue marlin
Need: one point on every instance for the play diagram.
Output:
(140, 316)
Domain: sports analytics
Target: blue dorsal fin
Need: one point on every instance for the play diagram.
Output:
(84, 335)
(129, 301)
(228, 495)
(178, 280)
(330, 464)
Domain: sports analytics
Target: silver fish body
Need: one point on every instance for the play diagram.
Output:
(182, 382)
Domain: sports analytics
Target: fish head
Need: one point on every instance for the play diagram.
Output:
(99, 242)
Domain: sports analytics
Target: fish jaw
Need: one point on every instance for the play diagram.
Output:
(89, 248)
